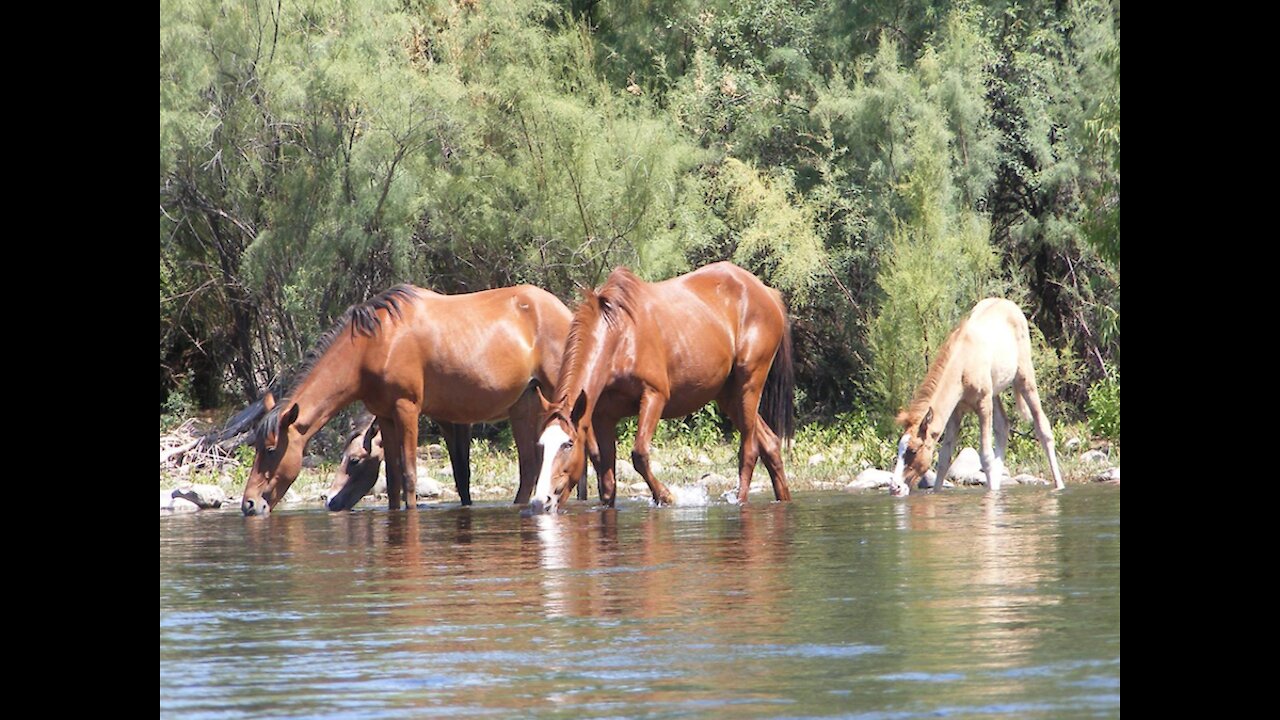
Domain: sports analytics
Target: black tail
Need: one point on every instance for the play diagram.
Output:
(778, 401)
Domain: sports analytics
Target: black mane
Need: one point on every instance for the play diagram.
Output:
(361, 318)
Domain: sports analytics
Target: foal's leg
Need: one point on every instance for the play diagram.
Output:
(1001, 426)
(651, 404)
(1026, 386)
(949, 437)
(991, 465)
(407, 424)
(457, 438)
(524, 430)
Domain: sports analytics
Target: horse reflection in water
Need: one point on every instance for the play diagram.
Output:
(459, 592)
(588, 570)
(569, 545)
(986, 597)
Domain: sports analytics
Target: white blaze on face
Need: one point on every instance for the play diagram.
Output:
(553, 438)
(898, 486)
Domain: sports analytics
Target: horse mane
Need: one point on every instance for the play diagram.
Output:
(363, 319)
(924, 394)
(614, 301)
(618, 295)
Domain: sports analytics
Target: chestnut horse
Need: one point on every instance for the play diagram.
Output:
(357, 472)
(989, 351)
(663, 350)
(459, 359)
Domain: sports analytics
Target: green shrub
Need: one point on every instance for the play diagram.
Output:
(1104, 406)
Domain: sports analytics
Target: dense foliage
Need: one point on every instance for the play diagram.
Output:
(885, 164)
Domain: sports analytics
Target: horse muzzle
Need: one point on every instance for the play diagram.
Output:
(250, 506)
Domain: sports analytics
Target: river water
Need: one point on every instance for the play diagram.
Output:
(963, 604)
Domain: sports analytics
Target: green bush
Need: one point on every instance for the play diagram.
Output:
(1104, 406)
(177, 407)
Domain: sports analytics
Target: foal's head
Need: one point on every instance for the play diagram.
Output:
(915, 451)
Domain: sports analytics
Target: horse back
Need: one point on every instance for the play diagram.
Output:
(708, 323)
(998, 341)
(466, 357)
(549, 319)
(736, 298)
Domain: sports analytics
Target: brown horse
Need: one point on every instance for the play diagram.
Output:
(357, 472)
(989, 351)
(663, 350)
(361, 462)
(459, 359)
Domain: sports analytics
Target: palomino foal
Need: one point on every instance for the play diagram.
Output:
(989, 351)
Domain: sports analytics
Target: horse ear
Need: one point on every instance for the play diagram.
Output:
(542, 401)
(368, 435)
(579, 408)
(902, 418)
(924, 424)
(289, 417)
(268, 401)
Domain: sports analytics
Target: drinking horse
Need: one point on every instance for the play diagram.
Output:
(459, 359)
(989, 351)
(362, 455)
(663, 350)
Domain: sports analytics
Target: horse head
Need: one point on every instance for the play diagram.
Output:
(562, 456)
(277, 460)
(358, 471)
(915, 451)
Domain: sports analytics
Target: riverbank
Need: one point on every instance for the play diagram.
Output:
(819, 459)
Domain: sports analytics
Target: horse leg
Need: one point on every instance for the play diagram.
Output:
(604, 461)
(949, 437)
(407, 424)
(992, 466)
(739, 403)
(524, 416)
(770, 446)
(457, 438)
(1026, 387)
(391, 439)
(651, 404)
(1001, 426)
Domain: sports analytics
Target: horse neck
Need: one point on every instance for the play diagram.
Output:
(331, 385)
(946, 395)
(595, 367)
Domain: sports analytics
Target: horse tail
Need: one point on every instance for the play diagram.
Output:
(778, 401)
